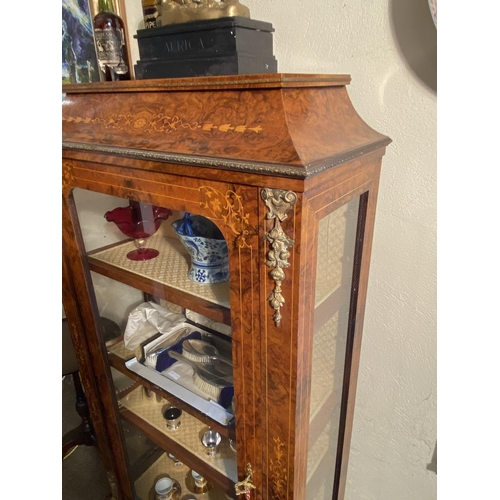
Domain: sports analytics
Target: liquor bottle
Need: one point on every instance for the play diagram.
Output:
(111, 44)
(151, 13)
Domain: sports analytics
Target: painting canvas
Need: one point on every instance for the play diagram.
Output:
(79, 60)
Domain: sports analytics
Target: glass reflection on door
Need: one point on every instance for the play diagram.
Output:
(336, 245)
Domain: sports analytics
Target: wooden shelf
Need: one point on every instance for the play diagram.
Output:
(119, 354)
(185, 442)
(165, 276)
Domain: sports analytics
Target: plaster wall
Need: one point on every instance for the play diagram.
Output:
(388, 47)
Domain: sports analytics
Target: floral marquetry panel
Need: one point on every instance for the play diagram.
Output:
(228, 206)
(233, 126)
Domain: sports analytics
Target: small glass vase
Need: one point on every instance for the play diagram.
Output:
(139, 221)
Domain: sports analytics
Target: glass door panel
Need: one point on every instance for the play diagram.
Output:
(167, 337)
(336, 242)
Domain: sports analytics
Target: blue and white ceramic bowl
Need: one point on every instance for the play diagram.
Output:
(206, 246)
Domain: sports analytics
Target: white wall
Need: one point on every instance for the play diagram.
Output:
(387, 47)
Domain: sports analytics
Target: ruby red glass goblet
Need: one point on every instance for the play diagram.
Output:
(139, 221)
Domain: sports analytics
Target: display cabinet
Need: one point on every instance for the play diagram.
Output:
(288, 172)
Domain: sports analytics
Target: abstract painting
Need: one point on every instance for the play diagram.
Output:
(79, 60)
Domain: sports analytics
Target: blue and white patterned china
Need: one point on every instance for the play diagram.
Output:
(206, 246)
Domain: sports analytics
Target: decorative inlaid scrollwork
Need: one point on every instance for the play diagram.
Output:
(279, 202)
(278, 473)
(229, 208)
(67, 174)
(150, 122)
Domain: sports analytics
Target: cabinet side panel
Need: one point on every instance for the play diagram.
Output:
(364, 238)
(89, 347)
(324, 124)
(345, 208)
(333, 285)
(323, 290)
(88, 381)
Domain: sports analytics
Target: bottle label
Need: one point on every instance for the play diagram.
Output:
(109, 44)
(150, 16)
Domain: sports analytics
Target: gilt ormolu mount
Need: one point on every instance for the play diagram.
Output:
(185, 11)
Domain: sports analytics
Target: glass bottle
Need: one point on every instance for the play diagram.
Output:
(111, 45)
(151, 13)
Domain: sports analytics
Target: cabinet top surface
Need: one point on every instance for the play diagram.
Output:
(256, 81)
(290, 125)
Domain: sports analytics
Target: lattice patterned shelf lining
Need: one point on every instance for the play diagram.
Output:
(164, 466)
(323, 365)
(336, 240)
(188, 435)
(170, 268)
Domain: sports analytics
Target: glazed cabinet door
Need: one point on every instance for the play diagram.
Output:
(335, 259)
(318, 248)
(161, 292)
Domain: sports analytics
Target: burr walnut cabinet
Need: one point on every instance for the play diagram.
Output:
(289, 172)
